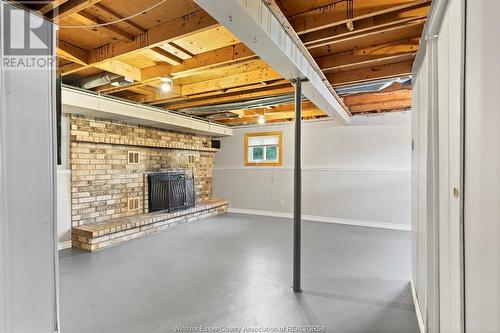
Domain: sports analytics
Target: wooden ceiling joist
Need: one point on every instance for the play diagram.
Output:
(399, 104)
(377, 97)
(235, 94)
(255, 76)
(180, 49)
(336, 15)
(182, 26)
(366, 57)
(362, 37)
(69, 8)
(166, 56)
(51, 6)
(201, 62)
(121, 68)
(72, 53)
(363, 25)
(116, 16)
(90, 20)
(272, 117)
(371, 73)
(306, 105)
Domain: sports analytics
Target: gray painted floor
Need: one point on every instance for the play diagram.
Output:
(235, 271)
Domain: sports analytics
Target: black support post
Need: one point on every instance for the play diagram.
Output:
(297, 189)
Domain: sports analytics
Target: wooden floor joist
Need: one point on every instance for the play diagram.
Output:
(367, 24)
(371, 73)
(331, 16)
(399, 104)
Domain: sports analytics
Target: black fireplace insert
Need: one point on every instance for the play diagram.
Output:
(171, 191)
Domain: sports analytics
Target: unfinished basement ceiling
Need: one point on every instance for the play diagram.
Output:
(152, 45)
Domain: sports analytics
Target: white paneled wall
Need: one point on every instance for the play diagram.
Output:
(352, 174)
(28, 254)
(437, 159)
(482, 168)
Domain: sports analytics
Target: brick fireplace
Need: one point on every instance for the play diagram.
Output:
(110, 162)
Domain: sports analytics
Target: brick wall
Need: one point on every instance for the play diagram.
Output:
(102, 178)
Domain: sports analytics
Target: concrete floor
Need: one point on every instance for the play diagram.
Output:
(235, 271)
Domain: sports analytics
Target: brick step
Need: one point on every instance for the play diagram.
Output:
(96, 236)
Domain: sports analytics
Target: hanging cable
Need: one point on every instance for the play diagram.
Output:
(114, 22)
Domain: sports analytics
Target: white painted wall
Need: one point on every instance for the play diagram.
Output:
(359, 172)
(437, 168)
(482, 166)
(28, 256)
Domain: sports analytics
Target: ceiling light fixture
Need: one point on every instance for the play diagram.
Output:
(261, 120)
(167, 83)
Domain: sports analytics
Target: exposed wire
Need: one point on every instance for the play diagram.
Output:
(113, 22)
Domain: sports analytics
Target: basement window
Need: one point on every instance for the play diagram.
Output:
(263, 149)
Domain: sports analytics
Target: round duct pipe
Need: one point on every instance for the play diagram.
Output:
(97, 80)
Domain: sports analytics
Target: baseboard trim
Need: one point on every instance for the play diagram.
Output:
(64, 245)
(325, 219)
(420, 319)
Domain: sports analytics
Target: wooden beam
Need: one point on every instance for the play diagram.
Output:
(230, 81)
(367, 24)
(238, 96)
(180, 49)
(368, 56)
(363, 37)
(73, 53)
(370, 62)
(51, 6)
(111, 30)
(119, 17)
(307, 105)
(272, 117)
(109, 89)
(120, 68)
(399, 104)
(371, 73)
(377, 97)
(202, 62)
(151, 93)
(331, 16)
(166, 32)
(71, 67)
(69, 8)
(166, 56)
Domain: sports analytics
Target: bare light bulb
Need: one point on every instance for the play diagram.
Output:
(165, 87)
(261, 120)
(167, 83)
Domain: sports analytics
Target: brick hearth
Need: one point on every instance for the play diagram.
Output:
(97, 236)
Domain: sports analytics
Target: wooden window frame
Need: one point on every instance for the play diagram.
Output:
(264, 164)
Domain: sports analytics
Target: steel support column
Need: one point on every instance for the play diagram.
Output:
(297, 189)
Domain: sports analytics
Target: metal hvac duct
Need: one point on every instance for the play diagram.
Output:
(97, 80)
(373, 86)
(251, 104)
